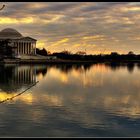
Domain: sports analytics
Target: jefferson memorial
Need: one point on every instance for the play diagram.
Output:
(21, 45)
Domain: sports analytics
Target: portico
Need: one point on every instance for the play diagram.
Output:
(25, 46)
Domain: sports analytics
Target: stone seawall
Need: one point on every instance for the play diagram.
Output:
(40, 61)
(60, 61)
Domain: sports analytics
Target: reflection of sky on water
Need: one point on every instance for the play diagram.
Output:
(74, 100)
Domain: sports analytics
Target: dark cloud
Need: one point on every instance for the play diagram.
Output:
(51, 22)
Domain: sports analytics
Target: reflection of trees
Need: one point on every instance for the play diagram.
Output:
(87, 66)
(66, 68)
(130, 67)
(138, 65)
(113, 65)
(6, 76)
(117, 66)
(41, 70)
(14, 77)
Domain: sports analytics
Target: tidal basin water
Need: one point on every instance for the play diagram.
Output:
(98, 100)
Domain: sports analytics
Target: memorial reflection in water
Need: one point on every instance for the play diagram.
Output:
(14, 77)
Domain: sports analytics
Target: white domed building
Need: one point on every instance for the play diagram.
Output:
(21, 45)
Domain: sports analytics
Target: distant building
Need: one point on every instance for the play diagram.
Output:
(21, 45)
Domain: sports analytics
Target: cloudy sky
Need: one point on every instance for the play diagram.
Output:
(94, 27)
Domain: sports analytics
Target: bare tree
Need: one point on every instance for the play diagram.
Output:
(2, 7)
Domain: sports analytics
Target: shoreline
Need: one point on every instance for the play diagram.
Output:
(60, 61)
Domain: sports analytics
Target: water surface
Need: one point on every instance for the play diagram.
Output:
(95, 100)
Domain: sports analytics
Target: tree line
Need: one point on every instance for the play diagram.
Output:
(80, 55)
(7, 51)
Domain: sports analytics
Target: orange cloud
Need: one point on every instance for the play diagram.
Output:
(59, 42)
(96, 37)
(41, 44)
(7, 20)
(133, 9)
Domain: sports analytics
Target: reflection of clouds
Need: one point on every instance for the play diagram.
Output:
(61, 98)
(52, 100)
(91, 78)
(112, 91)
(28, 98)
(97, 77)
(58, 75)
(81, 104)
(4, 95)
(126, 105)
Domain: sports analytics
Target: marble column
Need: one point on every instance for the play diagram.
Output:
(18, 48)
(21, 48)
(27, 47)
(24, 48)
(35, 48)
(30, 48)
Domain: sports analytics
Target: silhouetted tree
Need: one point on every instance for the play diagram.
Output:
(42, 52)
(65, 52)
(49, 53)
(2, 7)
(114, 54)
(131, 53)
(6, 49)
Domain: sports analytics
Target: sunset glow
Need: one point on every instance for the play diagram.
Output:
(75, 26)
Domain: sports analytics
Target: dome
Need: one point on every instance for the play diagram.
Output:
(10, 33)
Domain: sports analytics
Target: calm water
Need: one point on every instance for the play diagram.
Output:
(96, 100)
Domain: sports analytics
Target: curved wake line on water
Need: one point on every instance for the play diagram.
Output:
(19, 93)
